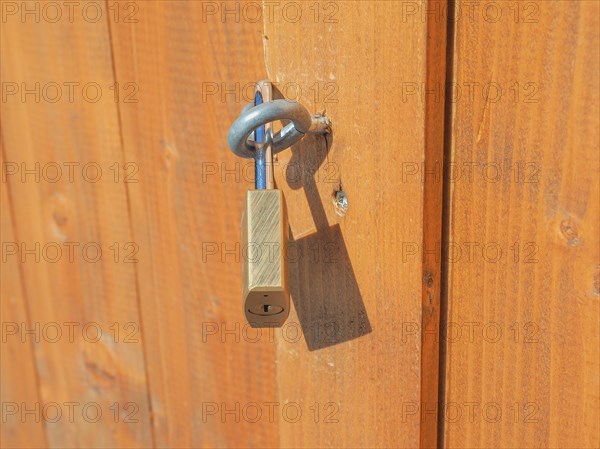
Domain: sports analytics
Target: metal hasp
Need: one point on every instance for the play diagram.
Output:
(265, 231)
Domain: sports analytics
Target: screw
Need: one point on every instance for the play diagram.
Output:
(340, 202)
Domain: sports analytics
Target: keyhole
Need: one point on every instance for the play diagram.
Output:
(266, 307)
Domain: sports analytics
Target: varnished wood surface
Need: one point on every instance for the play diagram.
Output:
(66, 222)
(364, 306)
(522, 345)
(357, 363)
(17, 366)
(203, 361)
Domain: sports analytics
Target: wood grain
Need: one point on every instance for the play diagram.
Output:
(61, 209)
(18, 373)
(356, 365)
(358, 368)
(538, 203)
(203, 360)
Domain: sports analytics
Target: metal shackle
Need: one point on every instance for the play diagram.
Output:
(253, 117)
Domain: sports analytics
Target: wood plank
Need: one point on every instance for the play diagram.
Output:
(58, 206)
(18, 373)
(202, 359)
(361, 360)
(538, 203)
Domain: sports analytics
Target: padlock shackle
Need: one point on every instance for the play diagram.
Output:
(257, 116)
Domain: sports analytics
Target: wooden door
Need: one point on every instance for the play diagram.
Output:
(453, 304)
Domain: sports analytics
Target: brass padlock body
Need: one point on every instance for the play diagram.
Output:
(265, 289)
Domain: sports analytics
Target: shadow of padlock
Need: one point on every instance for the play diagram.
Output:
(322, 281)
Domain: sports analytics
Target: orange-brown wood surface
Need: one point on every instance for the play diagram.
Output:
(362, 308)
(481, 277)
(17, 367)
(68, 213)
(206, 368)
(522, 343)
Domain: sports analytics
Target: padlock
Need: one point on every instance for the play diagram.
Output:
(266, 297)
(265, 290)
